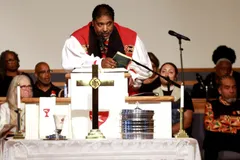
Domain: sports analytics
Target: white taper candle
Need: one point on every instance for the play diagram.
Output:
(18, 97)
(182, 96)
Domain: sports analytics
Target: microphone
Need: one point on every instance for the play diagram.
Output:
(179, 36)
(101, 42)
(200, 80)
(101, 39)
(211, 81)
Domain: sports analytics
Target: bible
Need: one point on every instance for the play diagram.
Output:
(122, 60)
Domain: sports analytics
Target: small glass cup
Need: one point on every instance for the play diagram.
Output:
(59, 121)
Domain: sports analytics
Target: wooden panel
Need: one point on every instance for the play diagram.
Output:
(187, 83)
(179, 69)
(58, 84)
(36, 100)
(68, 75)
(148, 99)
(54, 71)
(199, 104)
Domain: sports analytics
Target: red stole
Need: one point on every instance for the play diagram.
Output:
(128, 38)
(127, 35)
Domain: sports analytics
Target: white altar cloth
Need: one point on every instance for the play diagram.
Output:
(109, 149)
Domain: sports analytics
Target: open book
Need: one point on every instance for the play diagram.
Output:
(122, 60)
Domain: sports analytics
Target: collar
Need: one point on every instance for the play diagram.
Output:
(36, 86)
(165, 88)
(223, 101)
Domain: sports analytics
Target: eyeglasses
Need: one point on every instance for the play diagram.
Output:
(26, 87)
(44, 72)
(11, 60)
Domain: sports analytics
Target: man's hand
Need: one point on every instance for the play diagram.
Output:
(139, 74)
(108, 63)
(133, 85)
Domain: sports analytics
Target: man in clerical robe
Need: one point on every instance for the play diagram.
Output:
(99, 40)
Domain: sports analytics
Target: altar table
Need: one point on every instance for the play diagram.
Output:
(108, 149)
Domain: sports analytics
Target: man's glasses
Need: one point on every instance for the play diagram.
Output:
(26, 87)
(45, 72)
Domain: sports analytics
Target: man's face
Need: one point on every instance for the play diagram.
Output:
(228, 89)
(11, 62)
(43, 74)
(223, 68)
(103, 26)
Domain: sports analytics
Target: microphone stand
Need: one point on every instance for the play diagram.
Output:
(168, 86)
(181, 49)
(165, 78)
(182, 133)
(101, 41)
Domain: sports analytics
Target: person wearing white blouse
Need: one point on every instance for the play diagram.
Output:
(8, 116)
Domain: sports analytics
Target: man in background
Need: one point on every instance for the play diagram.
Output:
(222, 120)
(43, 86)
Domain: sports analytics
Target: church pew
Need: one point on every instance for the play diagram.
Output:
(58, 76)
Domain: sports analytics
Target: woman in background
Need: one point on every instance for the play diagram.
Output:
(9, 68)
(7, 109)
(170, 70)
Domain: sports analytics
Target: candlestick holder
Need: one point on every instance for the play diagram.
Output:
(18, 134)
(182, 133)
(95, 134)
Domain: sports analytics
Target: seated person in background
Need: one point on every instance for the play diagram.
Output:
(43, 86)
(99, 40)
(223, 57)
(222, 120)
(9, 64)
(170, 70)
(7, 109)
(152, 82)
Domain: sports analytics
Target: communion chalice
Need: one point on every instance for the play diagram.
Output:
(46, 110)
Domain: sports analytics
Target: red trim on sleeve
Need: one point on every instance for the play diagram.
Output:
(133, 70)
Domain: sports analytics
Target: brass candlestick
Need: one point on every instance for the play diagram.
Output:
(18, 134)
(95, 134)
(181, 133)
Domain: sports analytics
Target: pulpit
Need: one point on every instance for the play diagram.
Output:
(113, 98)
(112, 90)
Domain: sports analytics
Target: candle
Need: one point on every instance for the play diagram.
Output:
(18, 97)
(182, 96)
